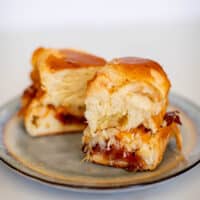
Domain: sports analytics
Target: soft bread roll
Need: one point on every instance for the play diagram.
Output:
(55, 101)
(126, 106)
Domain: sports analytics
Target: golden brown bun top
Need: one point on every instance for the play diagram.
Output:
(121, 71)
(58, 59)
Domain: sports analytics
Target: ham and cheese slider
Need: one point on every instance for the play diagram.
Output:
(54, 103)
(128, 126)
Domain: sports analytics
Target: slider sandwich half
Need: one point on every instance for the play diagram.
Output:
(128, 126)
(54, 103)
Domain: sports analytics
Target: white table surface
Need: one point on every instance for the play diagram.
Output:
(175, 46)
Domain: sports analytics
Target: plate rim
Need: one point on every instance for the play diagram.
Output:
(107, 189)
(94, 188)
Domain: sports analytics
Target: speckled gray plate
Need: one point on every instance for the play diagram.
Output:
(57, 160)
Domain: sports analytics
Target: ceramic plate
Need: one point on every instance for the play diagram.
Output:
(57, 160)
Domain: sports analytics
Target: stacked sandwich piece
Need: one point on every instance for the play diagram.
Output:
(126, 113)
(54, 103)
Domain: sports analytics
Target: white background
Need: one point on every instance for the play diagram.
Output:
(166, 31)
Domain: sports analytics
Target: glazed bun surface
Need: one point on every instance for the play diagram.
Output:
(131, 91)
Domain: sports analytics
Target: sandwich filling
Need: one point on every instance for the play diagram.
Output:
(136, 149)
